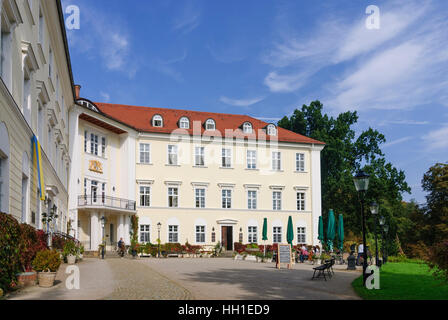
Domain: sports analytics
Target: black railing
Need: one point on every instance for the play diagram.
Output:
(105, 201)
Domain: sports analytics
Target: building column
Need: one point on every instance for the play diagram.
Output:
(316, 196)
(126, 237)
(120, 227)
(94, 231)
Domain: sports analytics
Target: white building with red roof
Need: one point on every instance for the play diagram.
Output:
(197, 177)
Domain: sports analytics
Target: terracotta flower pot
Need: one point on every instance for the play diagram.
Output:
(46, 279)
(27, 279)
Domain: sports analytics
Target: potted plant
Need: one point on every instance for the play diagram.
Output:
(80, 252)
(46, 263)
(70, 252)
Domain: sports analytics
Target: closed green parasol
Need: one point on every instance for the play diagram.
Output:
(341, 232)
(290, 231)
(321, 230)
(265, 234)
(331, 230)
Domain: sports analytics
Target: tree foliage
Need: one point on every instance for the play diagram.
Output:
(345, 154)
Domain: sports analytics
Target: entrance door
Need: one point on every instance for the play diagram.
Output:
(227, 237)
(111, 234)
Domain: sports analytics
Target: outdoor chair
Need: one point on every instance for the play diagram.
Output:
(321, 271)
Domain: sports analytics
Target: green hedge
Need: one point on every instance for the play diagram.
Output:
(9, 251)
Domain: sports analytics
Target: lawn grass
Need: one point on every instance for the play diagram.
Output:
(404, 281)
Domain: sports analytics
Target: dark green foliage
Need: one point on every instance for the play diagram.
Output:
(343, 155)
(438, 260)
(9, 250)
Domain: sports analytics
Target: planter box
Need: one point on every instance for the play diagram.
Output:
(27, 279)
(46, 279)
(251, 258)
(252, 249)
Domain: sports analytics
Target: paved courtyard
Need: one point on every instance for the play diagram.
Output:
(180, 279)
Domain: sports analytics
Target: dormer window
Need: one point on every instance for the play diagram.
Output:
(210, 125)
(184, 123)
(157, 121)
(247, 127)
(88, 105)
(272, 130)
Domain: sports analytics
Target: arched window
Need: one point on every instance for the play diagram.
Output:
(184, 123)
(210, 125)
(157, 121)
(88, 105)
(272, 130)
(4, 168)
(247, 127)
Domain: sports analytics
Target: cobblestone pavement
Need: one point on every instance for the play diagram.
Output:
(110, 279)
(224, 278)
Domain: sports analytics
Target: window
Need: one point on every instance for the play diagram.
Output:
(184, 123)
(200, 198)
(103, 146)
(300, 201)
(157, 121)
(301, 235)
(272, 130)
(300, 162)
(277, 235)
(94, 144)
(200, 234)
(210, 125)
(103, 192)
(27, 96)
(144, 233)
(94, 190)
(252, 199)
(85, 187)
(173, 197)
(145, 153)
(226, 158)
(145, 196)
(226, 199)
(50, 64)
(276, 161)
(85, 140)
(24, 198)
(172, 154)
(247, 127)
(199, 156)
(252, 234)
(40, 121)
(251, 159)
(276, 200)
(173, 234)
(5, 65)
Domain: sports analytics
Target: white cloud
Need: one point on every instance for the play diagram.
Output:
(105, 96)
(437, 140)
(403, 122)
(167, 68)
(400, 66)
(103, 36)
(398, 141)
(240, 102)
(188, 19)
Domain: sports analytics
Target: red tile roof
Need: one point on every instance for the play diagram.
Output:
(140, 118)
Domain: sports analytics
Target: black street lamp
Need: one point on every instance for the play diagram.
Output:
(159, 225)
(361, 181)
(374, 211)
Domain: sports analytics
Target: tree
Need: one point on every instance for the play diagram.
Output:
(342, 157)
(435, 182)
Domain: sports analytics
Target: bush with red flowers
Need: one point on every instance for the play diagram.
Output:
(9, 250)
(31, 242)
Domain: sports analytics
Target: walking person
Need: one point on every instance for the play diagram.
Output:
(121, 247)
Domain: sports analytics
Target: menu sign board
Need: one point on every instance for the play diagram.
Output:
(284, 255)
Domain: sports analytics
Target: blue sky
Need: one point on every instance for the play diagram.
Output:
(265, 58)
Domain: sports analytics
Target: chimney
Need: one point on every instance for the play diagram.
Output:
(77, 90)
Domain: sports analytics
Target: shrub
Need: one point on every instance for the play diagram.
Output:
(9, 250)
(438, 260)
(58, 242)
(31, 242)
(239, 247)
(70, 248)
(47, 260)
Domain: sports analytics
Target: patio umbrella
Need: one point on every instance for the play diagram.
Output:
(331, 229)
(341, 232)
(265, 233)
(321, 230)
(290, 231)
